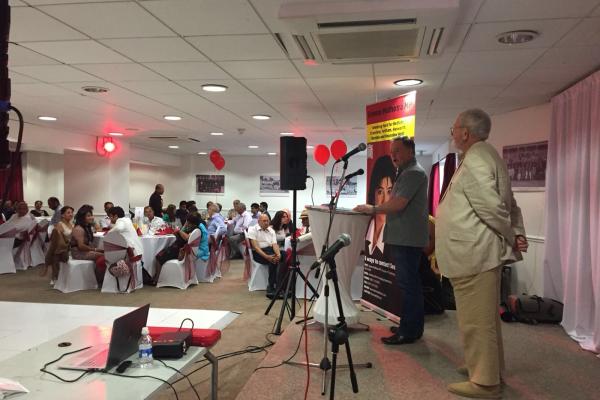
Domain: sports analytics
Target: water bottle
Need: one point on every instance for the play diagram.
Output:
(145, 349)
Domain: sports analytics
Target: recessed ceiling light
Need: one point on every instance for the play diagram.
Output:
(310, 147)
(115, 133)
(272, 154)
(253, 147)
(287, 133)
(172, 118)
(217, 133)
(214, 88)
(408, 82)
(202, 153)
(173, 147)
(46, 118)
(517, 37)
(261, 117)
(95, 89)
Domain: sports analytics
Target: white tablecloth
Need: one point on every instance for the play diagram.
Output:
(347, 258)
(151, 244)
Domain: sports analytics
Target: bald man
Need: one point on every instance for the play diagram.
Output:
(155, 201)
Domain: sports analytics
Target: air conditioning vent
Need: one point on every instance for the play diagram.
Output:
(353, 24)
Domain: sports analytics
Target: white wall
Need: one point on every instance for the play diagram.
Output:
(43, 176)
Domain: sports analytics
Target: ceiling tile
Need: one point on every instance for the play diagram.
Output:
(508, 10)
(586, 33)
(18, 78)
(46, 28)
(155, 49)
(19, 55)
(16, 3)
(430, 81)
(47, 2)
(497, 76)
(77, 52)
(483, 35)
(570, 57)
(431, 65)
(54, 73)
(596, 12)
(109, 20)
(290, 90)
(489, 60)
(207, 17)
(150, 88)
(188, 70)
(235, 91)
(40, 90)
(468, 10)
(238, 47)
(260, 69)
(331, 70)
(121, 72)
(523, 88)
(457, 38)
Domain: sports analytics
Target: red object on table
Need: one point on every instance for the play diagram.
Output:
(138, 231)
(200, 337)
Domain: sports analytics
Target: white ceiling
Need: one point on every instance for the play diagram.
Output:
(155, 55)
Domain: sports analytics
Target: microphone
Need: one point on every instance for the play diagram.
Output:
(355, 173)
(343, 241)
(357, 149)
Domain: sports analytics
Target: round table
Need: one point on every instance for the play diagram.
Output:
(151, 246)
(354, 224)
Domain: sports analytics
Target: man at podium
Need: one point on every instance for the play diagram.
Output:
(405, 235)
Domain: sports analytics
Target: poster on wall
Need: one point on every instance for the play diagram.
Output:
(214, 184)
(350, 189)
(385, 121)
(269, 185)
(526, 165)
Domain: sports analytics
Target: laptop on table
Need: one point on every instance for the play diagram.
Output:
(124, 338)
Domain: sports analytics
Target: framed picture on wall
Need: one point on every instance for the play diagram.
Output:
(350, 188)
(269, 186)
(526, 165)
(210, 184)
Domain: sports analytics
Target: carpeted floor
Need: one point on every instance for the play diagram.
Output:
(543, 363)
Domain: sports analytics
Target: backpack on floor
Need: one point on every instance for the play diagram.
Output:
(535, 309)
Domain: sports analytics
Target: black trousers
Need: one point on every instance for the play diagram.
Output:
(274, 269)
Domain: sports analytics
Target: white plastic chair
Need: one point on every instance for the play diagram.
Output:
(7, 262)
(259, 276)
(37, 244)
(173, 272)
(76, 275)
(115, 249)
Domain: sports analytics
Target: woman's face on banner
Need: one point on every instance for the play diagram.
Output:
(384, 190)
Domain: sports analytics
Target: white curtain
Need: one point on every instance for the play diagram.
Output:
(572, 259)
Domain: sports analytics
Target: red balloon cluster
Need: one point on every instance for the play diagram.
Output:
(322, 152)
(217, 159)
(338, 149)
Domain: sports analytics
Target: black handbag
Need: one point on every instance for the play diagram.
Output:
(535, 309)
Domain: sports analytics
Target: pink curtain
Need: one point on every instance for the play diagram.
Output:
(572, 255)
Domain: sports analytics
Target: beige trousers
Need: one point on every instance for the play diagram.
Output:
(477, 299)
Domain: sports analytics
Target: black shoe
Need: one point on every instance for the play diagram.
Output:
(394, 329)
(396, 340)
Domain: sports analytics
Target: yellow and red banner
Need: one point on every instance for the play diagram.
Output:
(391, 118)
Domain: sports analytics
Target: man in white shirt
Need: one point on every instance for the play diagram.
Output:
(154, 223)
(125, 227)
(105, 221)
(255, 211)
(241, 224)
(265, 249)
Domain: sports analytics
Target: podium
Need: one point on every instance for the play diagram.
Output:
(345, 221)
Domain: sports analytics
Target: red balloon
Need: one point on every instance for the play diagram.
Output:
(338, 149)
(214, 156)
(321, 154)
(219, 164)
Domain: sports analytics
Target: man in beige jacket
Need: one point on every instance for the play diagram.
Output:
(479, 228)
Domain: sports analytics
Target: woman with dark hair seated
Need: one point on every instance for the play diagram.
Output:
(58, 251)
(170, 217)
(280, 224)
(82, 242)
(181, 238)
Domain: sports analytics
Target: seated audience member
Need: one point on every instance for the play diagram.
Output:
(125, 227)
(170, 217)
(208, 204)
(154, 223)
(96, 225)
(38, 211)
(265, 249)
(105, 223)
(240, 225)
(254, 210)
(216, 223)
(191, 204)
(181, 239)
(280, 225)
(82, 242)
(60, 239)
(8, 209)
(305, 228)
(192, 208)
(22, 222)
(231, 215)
(263, 208)
(220, 206)
(54, 205)
(182, 212)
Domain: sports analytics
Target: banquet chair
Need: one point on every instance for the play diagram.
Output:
(181, 274)
(37, 239)
(115, 249)
(223, 253)
(75, 275)
(258, 274)
(29, 248)
(7, 262)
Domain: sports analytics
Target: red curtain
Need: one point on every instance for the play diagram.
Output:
(449, 169)
(15, 192)
(434, 188)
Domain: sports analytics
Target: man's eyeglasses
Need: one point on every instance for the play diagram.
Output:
(453, 128)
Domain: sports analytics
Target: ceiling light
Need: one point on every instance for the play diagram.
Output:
(202, 153)
(517, 37)
(272, 154)
(261, 117)
(214, 88)
(408, 82)
(95, 89)
(217, 133)
(287, 133)
(115, 133)
(172, 118)
(109, 147)
(173, 147)
(310, 147)
(253, 147)
(45, 118)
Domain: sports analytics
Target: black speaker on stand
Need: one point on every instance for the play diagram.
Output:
(292, 163)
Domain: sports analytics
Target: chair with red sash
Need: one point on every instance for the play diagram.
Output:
(76, 275)
(181, 274)
(7, 262)
(223, 254)
(257, 274)
(22, 254)
(118, 255)
(37, 236)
